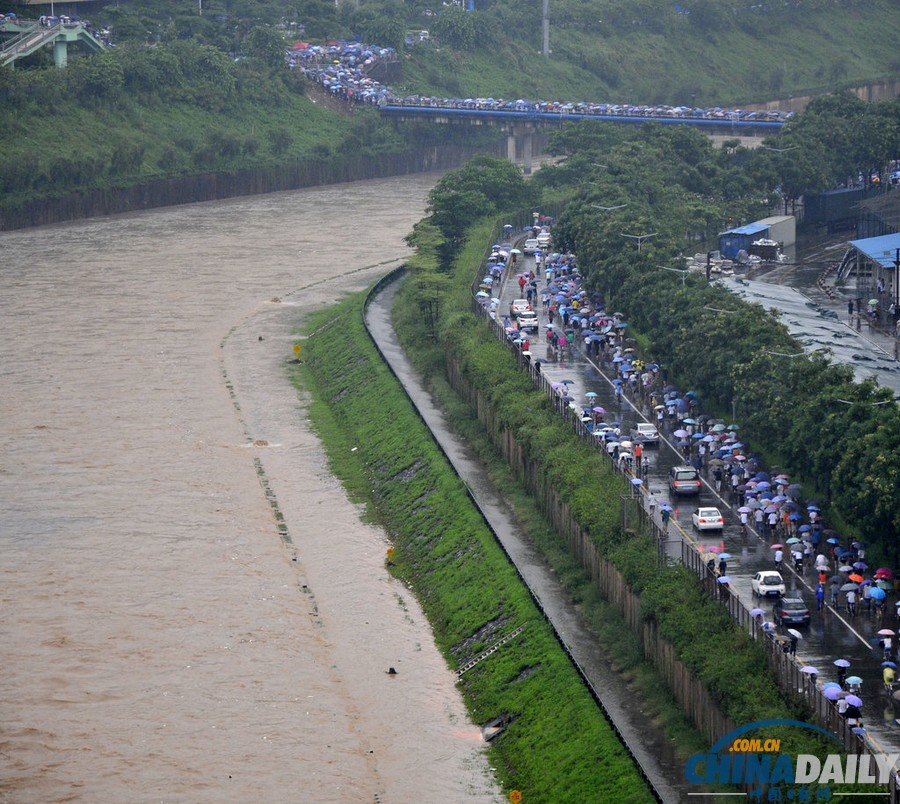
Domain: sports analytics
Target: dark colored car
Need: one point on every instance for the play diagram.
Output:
(791, 611)
(684, 480)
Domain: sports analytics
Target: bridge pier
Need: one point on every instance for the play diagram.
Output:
(525, 134)
(60, 53)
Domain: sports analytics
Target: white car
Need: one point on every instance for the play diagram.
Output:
(647, 432)
(708, 519)
(528, 321)
(518, 306)
(766, 583)
(531, 245)
(544, 240)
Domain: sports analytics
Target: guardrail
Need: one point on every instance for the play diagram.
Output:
(636, 508)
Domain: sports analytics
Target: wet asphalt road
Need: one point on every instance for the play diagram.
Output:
(832, 633)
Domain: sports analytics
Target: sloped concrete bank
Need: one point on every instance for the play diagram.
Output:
(217, 186)
(652, 752)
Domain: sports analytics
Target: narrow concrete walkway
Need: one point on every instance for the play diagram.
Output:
(651, 750)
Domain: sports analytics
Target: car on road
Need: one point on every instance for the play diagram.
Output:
(517, 306)
(790, 611)
(647, 432)
(684, 480)
(531, 245)
(528, 321)
(544, 239)
(708, 519)
(767, 583)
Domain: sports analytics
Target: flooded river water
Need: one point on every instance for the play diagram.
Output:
(162, 642)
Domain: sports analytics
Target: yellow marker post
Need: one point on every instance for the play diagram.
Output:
(297, 348)
(390, 554)
(515, 796)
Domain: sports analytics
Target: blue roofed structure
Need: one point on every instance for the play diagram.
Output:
(881, 250)
(734, 240)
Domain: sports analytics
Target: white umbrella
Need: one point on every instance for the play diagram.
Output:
(795, 633)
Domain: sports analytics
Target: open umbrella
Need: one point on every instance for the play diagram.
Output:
(744, 510)
(861, 566)
(832, 693)
(727, 556)
(793, 540)
(809, 670)
(845, 568)
(681, 434)
(892, 665)
(876, 593)
(723, 579)
(779, 546)
(795, 633)
(883, 573)
(591, 395)
(841, 663)
(756, 612)
(885, 632)
(855, 577)
(849, 587)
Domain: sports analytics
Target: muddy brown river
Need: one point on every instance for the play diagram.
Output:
(161, 641)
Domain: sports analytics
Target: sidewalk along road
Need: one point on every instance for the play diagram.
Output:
(832, 634)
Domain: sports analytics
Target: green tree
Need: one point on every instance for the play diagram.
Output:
(456, 27)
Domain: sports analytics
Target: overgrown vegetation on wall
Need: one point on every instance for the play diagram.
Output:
(557, 745)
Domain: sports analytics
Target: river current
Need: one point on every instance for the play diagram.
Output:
(161, 641)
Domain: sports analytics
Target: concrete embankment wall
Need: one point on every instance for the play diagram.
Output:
(215, 186)
(692, 696)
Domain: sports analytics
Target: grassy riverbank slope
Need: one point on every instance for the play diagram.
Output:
(557, 745)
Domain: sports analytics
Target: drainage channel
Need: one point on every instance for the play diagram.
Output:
(650, 748)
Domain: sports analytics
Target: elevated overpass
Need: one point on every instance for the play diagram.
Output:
(30, 36)
(521, 124)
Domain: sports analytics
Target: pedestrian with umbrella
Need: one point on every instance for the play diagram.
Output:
(842, 665)
(820, 597)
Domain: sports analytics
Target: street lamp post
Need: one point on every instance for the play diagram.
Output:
(640, 238)
(682, 271)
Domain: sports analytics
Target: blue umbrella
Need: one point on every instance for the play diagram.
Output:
(726, 556)
(804, 528)
(723, 579)
(877, 594)
(892, 665)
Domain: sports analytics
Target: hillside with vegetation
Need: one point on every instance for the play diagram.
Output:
(185, 93)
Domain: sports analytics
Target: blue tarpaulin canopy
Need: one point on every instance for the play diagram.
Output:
(882, 250)
(749, 229)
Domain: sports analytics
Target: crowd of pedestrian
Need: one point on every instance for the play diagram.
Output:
(767, 503)
(343, 68)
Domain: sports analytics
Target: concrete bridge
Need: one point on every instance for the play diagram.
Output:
(520, 126)
(29, 36)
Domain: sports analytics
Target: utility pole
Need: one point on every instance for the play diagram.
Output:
(546, 28)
